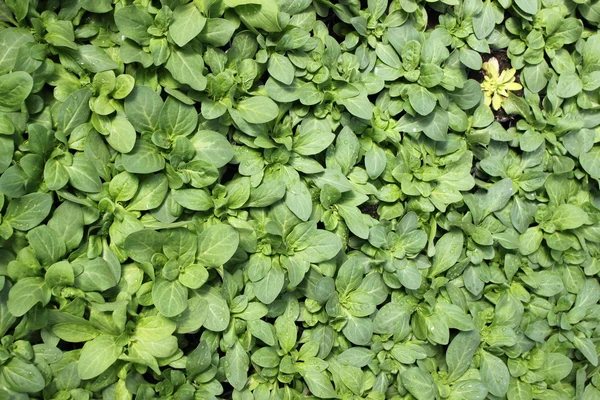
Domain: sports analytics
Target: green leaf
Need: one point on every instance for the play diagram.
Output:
(151, 193)
(266, 357)
(358, 330)
(143, 244)
(95, 59)
(170, 297)
(22, 376)
(11, 40)
(258, 109)
(298, 200)
(186, 67)
(519, 390)
(460, 353)
(421, 99)
(534, 76)
(391, 319)
(281, 92)
(28, 211)
(387, 54)
(287, 332)
(193, 276)
(470, 389)
(218, 316)
(187, 23)
(357, 222)
(143, 106)
(485, 21)
(495, 374)
(123, 186)
(590, 162)
(133, 22)
(212, 147)
(217, 244)
(347, 148)
(217, 31)
(530, 241)
(97, 355)
(236, 366)
(198, 360)
(418, 383)
(447, 252)
(359, 106)
(15, 88)
(60, 273)
(25, 294)
(356, 356)
(266, 193)
(281, 68)
(334, 178)
(260, 15)
(193, 199)
(83, 175)
(269, 287)
(263, 331)
(154, 328)
(498, 196)
(568, 216)
(68, 221)
(75, 332)
(322, 246)
(96, 274)
(121, 135)
(569, 85)
(470, 58)
(47, 245)
(587, 348)
(375, 161)
(176, 118)
(6, 153)
(468, 96)
(569, 31)
(319, 384)
(437, 329)
(74, 111)
(529, 6)
(143, 159)
(315, 136)
(559, 366)
(435, 125)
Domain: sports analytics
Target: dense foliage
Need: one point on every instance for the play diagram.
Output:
(293, 199)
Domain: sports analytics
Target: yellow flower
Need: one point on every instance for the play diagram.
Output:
(496, 85)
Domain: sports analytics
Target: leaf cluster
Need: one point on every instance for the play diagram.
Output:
(298, 199)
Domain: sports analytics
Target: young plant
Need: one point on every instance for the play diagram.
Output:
(496, 85)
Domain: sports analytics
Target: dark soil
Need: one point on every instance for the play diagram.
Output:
(504, 118)
(502, 57)
(432, 19)
(370, 210)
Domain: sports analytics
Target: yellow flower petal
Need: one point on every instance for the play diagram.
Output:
(509, 74)
(487, 99)
(493, 63)
(496, 102)
(513, 86)
(491, 67)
